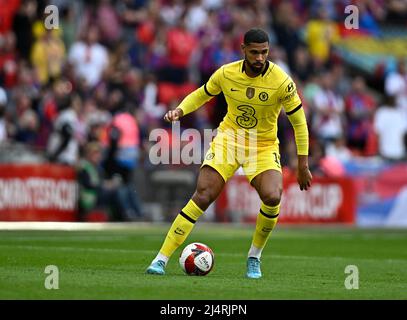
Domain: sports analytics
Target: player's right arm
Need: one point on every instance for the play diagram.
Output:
(197, 98)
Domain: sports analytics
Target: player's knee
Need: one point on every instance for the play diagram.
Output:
(203, 197)
(272, 198)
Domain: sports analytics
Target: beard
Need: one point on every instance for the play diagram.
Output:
(256, 67)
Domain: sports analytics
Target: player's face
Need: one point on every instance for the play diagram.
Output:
(255, 55)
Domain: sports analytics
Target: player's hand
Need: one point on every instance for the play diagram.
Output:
(304, 178)
(173, 115)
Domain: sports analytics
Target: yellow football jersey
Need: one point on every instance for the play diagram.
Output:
(253, 104)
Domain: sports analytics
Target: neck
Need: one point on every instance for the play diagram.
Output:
(250, 72)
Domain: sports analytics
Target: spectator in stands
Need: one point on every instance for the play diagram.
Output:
(154, 111)
(360, 107)
(396, 85)
(28, 81)
(48, 108)
(368, 18)
(317, 152)
(321, 34)
(63, 143)
(302, 65)
(196, 15)
(107, 20)
(89, 58)
(48, 55)
(328, 113)
(279, 56)
(23, 27)
(181, 45)
(209, 38)
(8, 60)
(391, 127)
(95, 193)
(342, 81)
(133, 83)
(122, 152)
(225, 52)
(68, 25)
(7, 12)
(27, 121)
(286, 26)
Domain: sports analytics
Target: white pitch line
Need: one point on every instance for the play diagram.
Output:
(73, 226)
(127, 251)
(57, 248)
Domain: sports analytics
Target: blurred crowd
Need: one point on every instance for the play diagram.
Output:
(89, 92)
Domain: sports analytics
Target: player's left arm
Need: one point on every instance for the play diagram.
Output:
(296, 115)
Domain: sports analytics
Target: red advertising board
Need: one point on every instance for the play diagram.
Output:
(43, 192)
(329, 200)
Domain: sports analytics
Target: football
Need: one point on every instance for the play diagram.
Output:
(196, 259)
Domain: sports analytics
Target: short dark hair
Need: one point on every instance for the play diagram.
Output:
(255, 35)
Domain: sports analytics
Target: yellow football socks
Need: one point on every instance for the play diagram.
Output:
(266, 220)
(181, 228)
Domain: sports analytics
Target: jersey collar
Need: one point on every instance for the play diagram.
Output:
(264, 71)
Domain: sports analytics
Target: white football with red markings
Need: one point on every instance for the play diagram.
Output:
(197, 259)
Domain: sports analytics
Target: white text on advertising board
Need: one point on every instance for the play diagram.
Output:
(40, 193)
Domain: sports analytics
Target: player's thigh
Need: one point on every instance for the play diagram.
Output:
(269, 186)
(209, 185)
(265, 174)
(221, 157)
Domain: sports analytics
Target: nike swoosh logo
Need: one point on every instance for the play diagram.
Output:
(233, 89)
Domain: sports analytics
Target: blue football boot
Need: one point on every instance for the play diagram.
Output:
(253, 268)
(157, 267)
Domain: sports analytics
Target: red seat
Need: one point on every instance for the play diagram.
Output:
(169, 92)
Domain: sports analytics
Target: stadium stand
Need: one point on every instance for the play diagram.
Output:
(143, 57)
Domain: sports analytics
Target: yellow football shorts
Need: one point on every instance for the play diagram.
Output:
(226, 154)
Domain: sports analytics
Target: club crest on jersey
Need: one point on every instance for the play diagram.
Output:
(210, 156)
(263, 96)
(250, 92)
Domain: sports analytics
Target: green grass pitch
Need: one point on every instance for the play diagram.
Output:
(298, 263)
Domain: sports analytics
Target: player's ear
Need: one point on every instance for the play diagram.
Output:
(243, 46)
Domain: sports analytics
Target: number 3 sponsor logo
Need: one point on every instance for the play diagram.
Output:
(247, 119)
